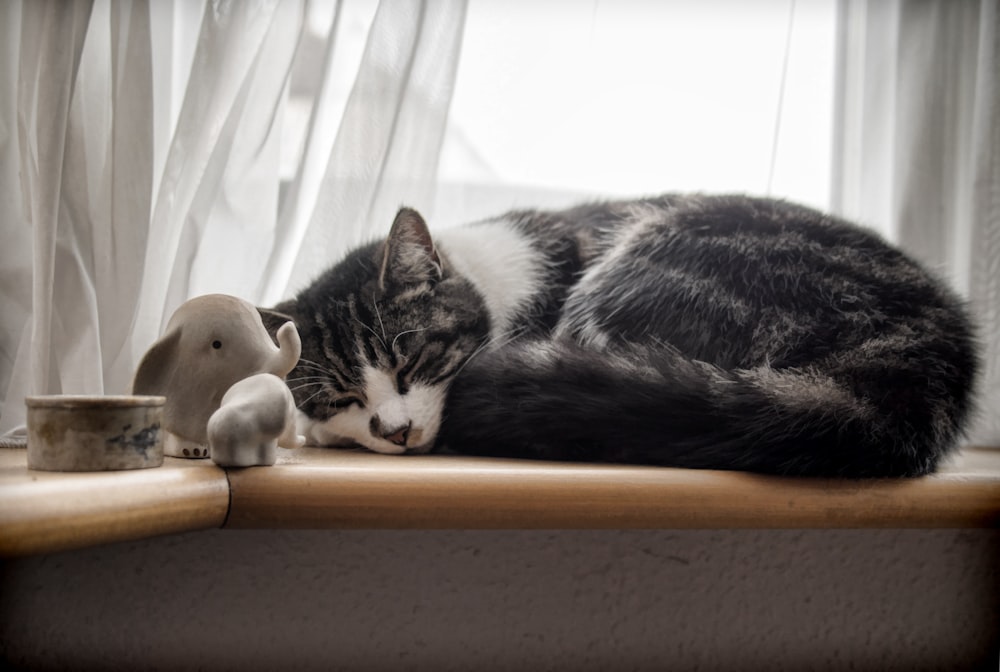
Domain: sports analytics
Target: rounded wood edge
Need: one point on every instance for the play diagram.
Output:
(43, 512)
(323, 488)
(350, 491)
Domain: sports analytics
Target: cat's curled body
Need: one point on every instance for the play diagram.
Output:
(722, 332)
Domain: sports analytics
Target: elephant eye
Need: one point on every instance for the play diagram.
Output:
(216, 344)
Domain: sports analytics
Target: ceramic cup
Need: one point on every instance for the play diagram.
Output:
(94, 433)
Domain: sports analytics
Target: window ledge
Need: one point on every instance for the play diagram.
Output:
(326, 488)
(42, 511)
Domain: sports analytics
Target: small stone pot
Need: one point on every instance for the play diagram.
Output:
(94, 433)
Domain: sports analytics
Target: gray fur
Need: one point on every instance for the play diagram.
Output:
(685, 330)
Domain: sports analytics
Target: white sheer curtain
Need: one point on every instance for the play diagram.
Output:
(140, 146)
(143, 158)
(918, 149)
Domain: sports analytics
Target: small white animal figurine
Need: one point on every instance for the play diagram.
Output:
(257, 415)
(211, 342)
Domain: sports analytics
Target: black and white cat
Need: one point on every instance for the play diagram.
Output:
(722, 332)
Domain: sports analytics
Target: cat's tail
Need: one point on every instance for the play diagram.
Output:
(559, 401)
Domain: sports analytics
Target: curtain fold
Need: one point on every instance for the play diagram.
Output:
(15, 230)
(126, 193)
(213, 218)
(51, 132)
(387, 148)
(984, 238)
(916, 149)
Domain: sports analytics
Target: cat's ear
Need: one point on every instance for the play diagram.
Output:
(408, 255)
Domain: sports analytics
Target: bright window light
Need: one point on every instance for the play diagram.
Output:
(631, 97)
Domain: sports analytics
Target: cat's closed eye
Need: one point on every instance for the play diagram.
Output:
(344, 402)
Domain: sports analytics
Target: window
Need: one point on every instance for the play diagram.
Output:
(559, 99)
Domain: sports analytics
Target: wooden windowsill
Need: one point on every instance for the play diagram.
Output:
(315, 487)
(326, 488)
(42, 511)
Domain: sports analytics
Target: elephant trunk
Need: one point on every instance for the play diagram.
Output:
(290, 349)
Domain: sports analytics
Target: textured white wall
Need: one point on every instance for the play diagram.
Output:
(457, 600)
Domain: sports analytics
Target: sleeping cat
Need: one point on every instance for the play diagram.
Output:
(720, 332)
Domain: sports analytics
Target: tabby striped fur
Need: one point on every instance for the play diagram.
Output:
(722, 332)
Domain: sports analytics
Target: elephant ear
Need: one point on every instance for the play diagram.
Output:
(158, 366)
(275, 318)
(158, 374)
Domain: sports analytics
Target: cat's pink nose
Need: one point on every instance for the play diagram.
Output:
(396, 435)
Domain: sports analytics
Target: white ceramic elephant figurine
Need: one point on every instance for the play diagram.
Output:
(211, 342)
(256, 416)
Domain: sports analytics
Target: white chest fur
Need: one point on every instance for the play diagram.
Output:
(502, 264)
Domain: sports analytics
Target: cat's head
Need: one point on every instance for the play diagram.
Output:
(383, 333)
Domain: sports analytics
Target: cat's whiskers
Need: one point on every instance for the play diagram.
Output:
(379, 316)
(314, 369)
(304, 386)
(309, 364)
(373, 332)
(475, 352)
(335, 376)
(403, 333)
(306, 382)
(301, 378)
(499, 340)
(312, 396)
(505, 338)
